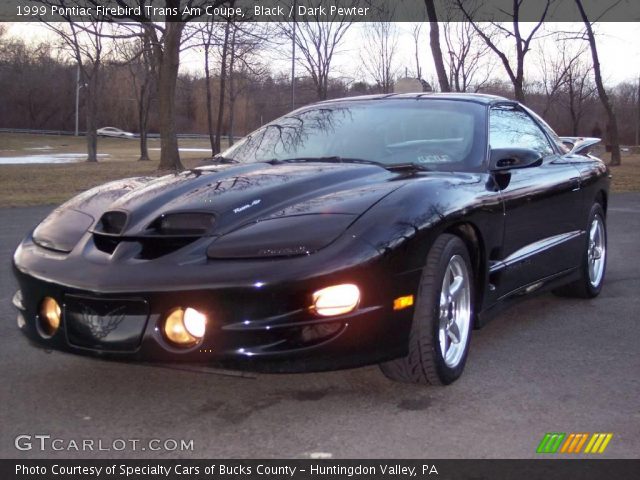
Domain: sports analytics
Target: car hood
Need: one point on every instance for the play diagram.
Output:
(236, 195)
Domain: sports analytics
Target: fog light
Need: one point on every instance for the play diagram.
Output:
(49, 318)
(185, 327)
(336, 300)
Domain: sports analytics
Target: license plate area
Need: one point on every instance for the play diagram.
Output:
(110, 324)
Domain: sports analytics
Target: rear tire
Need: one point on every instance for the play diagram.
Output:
(593, 263)
(443, 318)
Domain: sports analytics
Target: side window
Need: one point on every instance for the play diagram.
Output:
(513, 128)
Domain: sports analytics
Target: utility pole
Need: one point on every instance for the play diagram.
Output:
(78, 101)
(293, 59)
(638, 115)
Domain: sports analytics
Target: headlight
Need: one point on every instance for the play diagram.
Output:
(49, 318)
(62, 230)
(336, 300)
(282, 237)
(185, 327)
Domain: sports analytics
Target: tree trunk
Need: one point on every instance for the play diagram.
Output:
(223, 82)
(436, 50)
(602, 93)
(91, 114)
(638, 115)
(207, 76)
(518, 89)
(232, 88)
(144, 103)
(143, 120)
(168, 66)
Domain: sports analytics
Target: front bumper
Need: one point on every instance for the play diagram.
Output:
(261, 326)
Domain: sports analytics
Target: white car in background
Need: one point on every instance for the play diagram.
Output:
(114, 132)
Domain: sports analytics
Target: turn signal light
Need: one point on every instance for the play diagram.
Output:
(185, 327)
(401, 303)
(49, 318)
(336, 300)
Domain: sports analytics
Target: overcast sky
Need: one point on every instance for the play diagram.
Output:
(618, 46)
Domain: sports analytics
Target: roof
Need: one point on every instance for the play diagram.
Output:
(469, 97)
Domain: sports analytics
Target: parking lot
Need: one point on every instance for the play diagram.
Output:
(546, 365)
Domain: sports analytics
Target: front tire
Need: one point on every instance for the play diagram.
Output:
(443, 318)
(593, 262)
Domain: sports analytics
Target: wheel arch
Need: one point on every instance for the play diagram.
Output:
(601, 198)
(472, 237)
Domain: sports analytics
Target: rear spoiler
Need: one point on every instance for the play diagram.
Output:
(579, 144)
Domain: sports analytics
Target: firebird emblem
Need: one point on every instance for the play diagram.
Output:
(102, 325)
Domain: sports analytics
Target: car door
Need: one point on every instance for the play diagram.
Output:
(541, 203)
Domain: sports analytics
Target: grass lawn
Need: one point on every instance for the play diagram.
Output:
(37, 184)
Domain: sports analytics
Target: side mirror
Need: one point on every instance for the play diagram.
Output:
(510, 158)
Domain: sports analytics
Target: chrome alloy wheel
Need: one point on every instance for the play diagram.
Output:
(597, 251)
(455, 311)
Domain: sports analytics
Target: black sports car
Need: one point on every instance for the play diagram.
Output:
(376, 229)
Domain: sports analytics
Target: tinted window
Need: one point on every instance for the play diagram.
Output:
(514, 128)
(550, 132)
(441, 134)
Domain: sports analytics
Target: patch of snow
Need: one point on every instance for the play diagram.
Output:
(207, 150)
(56, 158)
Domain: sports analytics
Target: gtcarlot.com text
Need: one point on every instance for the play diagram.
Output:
(48, 443)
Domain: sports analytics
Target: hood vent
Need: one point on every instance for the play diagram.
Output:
(183, 224)
(112, 223)
(152, 247)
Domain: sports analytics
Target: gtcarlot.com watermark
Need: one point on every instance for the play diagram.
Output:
(48, 443)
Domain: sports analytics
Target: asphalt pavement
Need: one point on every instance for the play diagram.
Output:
(546, 365)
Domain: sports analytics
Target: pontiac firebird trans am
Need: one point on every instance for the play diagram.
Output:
(377, 229)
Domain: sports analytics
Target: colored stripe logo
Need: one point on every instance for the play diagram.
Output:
(557, 442)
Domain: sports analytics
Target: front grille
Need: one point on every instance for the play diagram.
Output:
(105, 324)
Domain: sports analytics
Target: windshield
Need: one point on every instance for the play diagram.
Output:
(443, 135)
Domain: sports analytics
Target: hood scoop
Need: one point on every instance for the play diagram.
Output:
(166, 234)
(112, 223)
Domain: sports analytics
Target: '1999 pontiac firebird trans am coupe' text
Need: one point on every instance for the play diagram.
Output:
(377, 229)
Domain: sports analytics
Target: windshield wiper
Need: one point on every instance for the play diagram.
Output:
(411, 166)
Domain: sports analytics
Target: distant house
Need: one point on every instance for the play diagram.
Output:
(411, 85)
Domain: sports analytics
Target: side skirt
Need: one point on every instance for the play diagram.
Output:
(535, 288)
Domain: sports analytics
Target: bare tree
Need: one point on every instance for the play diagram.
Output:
(468, 63)
(522, 43)
(436, 50)
(638, 114)
(86, 47)
(579, 90)
(246, 43)
(557, 70)
(380, 42)
(210, 37)
(166, 39)
(140, 61)
(318, 41)
(416, 34)
(602, 92)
